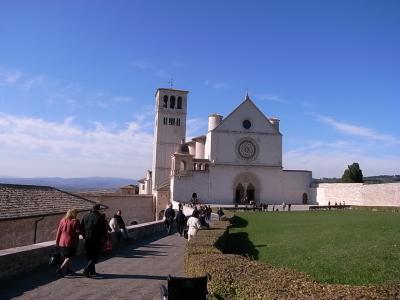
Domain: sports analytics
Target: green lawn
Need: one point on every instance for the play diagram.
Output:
(347, 247)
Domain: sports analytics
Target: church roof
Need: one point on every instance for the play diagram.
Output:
(246, 100)
(24, 201)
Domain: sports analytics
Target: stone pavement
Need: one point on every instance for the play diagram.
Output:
(133, 271)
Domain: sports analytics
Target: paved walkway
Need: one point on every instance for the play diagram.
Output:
(135, 271)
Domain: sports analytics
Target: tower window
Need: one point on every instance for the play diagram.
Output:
(172, 102)
(165, 99)
(178, 121)
(171, 121)
(165, 120)
(179, 103)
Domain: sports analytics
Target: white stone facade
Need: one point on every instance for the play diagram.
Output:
(238, 160)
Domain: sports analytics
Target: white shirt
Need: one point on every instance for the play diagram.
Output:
(194, 225)
(114, 225)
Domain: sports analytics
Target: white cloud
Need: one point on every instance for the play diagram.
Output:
(139, 64)
(216, 85)
(269, 97)
(360, 131)
(19, 80)
(32, 147)
(196, 127)
(333, 163)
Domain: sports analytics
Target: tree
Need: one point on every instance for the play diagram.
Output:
(353, 173)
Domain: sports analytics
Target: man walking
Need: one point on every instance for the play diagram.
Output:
(169, 218)
(92, 232)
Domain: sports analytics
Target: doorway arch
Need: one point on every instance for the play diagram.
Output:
(239, 193)
(305, 198)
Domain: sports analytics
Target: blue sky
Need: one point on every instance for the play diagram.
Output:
(77, 80)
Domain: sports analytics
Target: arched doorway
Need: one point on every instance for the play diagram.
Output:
(239, 193)
(250, 193)
(305, 198)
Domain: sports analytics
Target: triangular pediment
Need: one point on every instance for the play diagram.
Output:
(247, 110)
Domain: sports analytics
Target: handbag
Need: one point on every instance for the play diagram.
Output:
(55, 259)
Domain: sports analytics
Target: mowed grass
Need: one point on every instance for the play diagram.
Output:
(346, 247)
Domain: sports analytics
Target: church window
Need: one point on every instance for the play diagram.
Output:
(165, 101)
(246, 124)
(179, 106)
(182, 166)
(172, 102)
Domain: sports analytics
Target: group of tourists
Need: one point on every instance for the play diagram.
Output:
(200, 218)
(96, 232)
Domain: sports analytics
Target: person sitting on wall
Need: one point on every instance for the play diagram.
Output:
(115, 227)
(121, 225)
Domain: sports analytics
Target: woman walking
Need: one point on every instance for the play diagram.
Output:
(194, 224)
(67, 240)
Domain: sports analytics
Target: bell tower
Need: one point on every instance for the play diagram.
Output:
(169, 131)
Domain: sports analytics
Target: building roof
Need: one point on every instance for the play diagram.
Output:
(24, 201)
(129, 186)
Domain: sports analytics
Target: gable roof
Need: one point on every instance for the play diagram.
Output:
(239, 107)
(24, 201)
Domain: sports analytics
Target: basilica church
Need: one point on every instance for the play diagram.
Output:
(238, 160)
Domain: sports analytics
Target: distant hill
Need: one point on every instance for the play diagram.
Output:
(367, 179)
(73, 184)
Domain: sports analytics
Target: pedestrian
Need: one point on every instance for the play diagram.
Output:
(283, 205)
(180, 220)
(121, 224)
(67, 239)
(115, 227)
(194, 224)
(169, 218)
(289, 206)
(92, 228)
(220, 213)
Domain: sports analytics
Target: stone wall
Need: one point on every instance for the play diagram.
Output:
(135, 208)
(386, 194)
(18, 260)
(20, 232)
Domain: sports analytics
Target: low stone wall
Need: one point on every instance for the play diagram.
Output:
(18, 260)
(385, 194)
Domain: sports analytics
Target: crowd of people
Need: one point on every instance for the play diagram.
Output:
(96, 232)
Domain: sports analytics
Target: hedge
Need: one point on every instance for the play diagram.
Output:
(238, 277)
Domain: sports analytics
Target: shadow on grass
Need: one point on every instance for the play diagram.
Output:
(239, 242)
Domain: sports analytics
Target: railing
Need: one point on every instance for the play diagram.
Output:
(23, 259)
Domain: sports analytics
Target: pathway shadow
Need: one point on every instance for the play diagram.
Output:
(43, 275)
(239, 242)
(130, 276)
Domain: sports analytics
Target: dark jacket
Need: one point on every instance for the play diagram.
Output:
(180, 218)
(120, 221)
(169, 215)
(92, 227)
